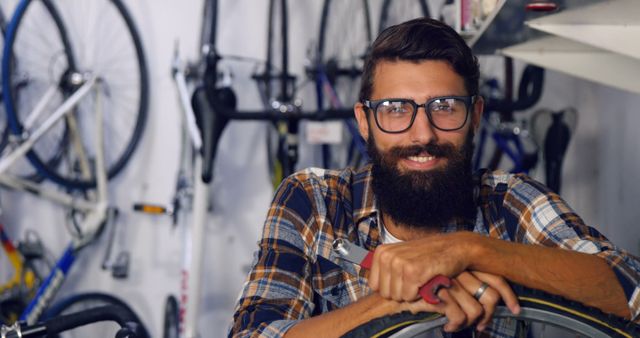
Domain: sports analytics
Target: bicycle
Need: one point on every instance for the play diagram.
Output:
(544, 133)
(37, 80)
(94, 215)
(79, 91)
(201, 129)
(343, 41)
(537, 308)
(125, 320)
(395, 12)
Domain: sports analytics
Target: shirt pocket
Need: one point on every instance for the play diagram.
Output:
(337, 283)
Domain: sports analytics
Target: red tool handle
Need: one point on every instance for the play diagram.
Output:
(427, 291)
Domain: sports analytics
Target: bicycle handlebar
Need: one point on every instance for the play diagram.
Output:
(55, 325)
(287, 115)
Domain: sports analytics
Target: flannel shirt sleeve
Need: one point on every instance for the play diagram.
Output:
(278, 291)
(548, 220)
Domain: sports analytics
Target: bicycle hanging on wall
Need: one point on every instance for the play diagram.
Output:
(66, 96)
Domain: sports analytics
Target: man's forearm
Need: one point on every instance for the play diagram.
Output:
(340, 321)
(573, 275)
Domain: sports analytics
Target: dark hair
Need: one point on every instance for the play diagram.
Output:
(417, 40)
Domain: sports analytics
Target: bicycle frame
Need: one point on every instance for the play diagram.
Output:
(29, 139)
(325, 87)
(194, 237)
(96, 211)
(507, 139)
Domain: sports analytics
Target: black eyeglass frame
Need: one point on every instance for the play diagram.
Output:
(469, 101)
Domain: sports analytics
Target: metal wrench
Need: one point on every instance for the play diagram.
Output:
(358, 255)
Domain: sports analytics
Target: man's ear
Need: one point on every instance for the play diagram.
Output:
(361, 116)
(476, 115)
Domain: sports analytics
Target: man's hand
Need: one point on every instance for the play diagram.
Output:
(399, 270)
(498, 290)
(459, 305)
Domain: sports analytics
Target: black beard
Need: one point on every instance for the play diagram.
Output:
(424, 200)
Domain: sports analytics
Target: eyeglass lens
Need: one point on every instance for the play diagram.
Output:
(445, 113)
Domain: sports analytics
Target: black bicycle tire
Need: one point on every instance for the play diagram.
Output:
(171, 320)
(58, 308)
(208, 38)
(278, 161)
(385, 10)
(535, 306)
(269, 63)
(31, 173)
(209, 23)
(114, 168)
(325, 24)
(340, 77)
(4, 127)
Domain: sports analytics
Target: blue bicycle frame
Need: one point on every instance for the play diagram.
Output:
(323, 85)
(49, 287)
(508, 143)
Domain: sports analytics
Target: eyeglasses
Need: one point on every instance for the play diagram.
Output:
(447, 113)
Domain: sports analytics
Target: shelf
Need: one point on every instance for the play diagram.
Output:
(580, 60)
(504, 27)
(473, 37)
(610, 25)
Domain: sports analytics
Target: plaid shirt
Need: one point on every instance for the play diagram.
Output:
(296, 275)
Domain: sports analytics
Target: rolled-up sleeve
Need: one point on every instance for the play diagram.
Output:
(548, 220)
(278, 292)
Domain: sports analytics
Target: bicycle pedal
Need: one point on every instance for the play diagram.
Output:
(31, 249)
(120, 268)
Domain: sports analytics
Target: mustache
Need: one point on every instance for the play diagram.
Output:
(446, 150)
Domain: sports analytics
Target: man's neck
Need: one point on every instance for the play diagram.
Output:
(405, 232)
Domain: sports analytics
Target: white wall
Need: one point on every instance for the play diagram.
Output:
(598, 180)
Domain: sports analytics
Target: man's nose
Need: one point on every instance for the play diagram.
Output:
(422, 131)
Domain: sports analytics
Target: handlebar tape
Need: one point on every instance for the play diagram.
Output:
(529, 92)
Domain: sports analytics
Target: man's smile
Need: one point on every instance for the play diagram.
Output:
(420, 162)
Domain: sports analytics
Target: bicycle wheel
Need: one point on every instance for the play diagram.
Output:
(86, 301)
(276, 84)
(171, 325)
(4, 131)
(51, 47)
(345, 36)
(398, 11)
(22, 168)
(539, 311)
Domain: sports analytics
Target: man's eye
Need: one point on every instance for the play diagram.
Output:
(395, 108)
(441, 107)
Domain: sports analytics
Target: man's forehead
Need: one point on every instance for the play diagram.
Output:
(420, 79)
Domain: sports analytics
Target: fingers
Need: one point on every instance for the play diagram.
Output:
(392, 276)
(488, 300)
(457, 319)
(503, 289)
(458, 305)
(472, 309)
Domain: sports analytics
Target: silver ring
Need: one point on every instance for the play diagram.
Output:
(483, 287)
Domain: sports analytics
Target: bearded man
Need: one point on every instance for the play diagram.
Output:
(425, 214)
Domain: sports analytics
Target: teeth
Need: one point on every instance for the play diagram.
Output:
(422, 159)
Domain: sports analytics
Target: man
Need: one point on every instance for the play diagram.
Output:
(419, 206)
